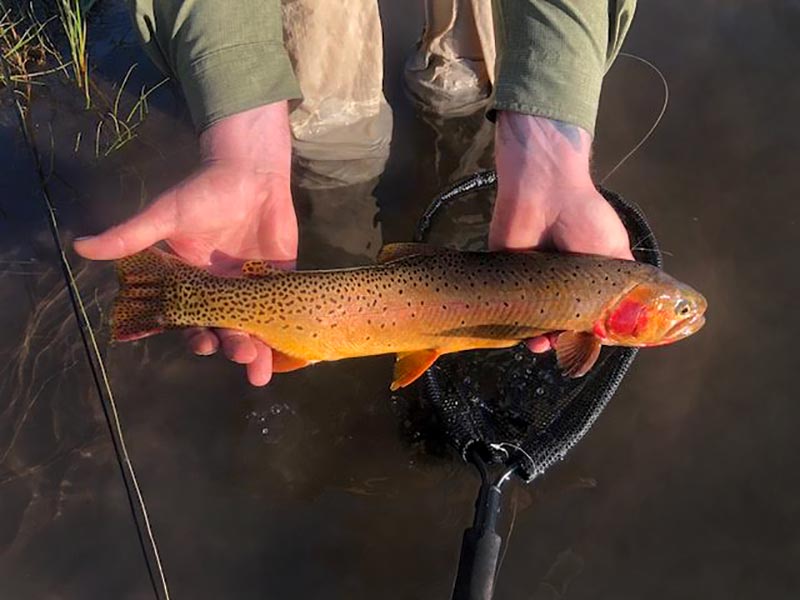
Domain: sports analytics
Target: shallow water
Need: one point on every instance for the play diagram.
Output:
(317, 486)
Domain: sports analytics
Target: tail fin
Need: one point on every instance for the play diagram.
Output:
(139, 308)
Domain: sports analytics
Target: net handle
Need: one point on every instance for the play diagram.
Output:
(480, 545)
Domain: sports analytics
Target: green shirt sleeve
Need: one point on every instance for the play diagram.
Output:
(228, 56)
(553, 54)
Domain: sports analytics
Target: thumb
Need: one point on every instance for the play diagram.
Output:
(155, 223)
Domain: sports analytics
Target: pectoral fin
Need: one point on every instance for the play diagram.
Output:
(411, 365)
(577, 352)
(283, 363)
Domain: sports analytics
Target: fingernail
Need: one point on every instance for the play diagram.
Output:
(83, 237)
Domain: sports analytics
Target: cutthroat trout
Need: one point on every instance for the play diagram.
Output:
(417, 302)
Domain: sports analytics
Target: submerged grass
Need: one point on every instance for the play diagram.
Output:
(25, 50)
(116, 128)
(73, 22)
(28, 55)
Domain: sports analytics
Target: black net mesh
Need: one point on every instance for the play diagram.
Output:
(510, 405)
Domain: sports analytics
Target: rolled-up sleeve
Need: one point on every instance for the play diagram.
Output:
(553, 54)
(228, 56)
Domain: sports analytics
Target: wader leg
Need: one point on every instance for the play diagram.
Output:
(452, 68)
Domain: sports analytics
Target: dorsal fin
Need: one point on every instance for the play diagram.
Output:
(259, 268)
(397, 250)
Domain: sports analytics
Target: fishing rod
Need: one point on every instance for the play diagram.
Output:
(136, 502)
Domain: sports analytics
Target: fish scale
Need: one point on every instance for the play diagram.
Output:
(421, 293)
(419, 299)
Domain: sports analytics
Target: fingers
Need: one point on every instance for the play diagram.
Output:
(538, 344)
(542, 343)
(516, 225)
(202, 341)
(153, 224)
(259, 372)
(237, 346)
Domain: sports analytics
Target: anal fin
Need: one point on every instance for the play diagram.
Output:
(283, 363)
(577, 352)
(410, 365)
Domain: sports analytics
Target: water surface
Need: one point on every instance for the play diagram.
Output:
(315, 487)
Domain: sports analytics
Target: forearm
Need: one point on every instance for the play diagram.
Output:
(228, 57)
(553, 54)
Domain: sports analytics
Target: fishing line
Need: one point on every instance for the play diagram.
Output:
(657, 122)
(507, 537)
(99, 374)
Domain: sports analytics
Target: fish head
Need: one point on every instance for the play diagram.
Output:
(654, 313)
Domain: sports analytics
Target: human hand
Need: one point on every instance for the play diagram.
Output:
(236, 207)
(546, 197)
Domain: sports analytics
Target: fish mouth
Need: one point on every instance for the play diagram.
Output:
(685, 328)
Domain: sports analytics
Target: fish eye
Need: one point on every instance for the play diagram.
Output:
(682, 308)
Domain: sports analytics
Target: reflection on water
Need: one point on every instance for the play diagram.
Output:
(340, 225)
(320, 485)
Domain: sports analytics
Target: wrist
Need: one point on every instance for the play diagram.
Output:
(540, 157)
(542, 165)
(257, 139)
